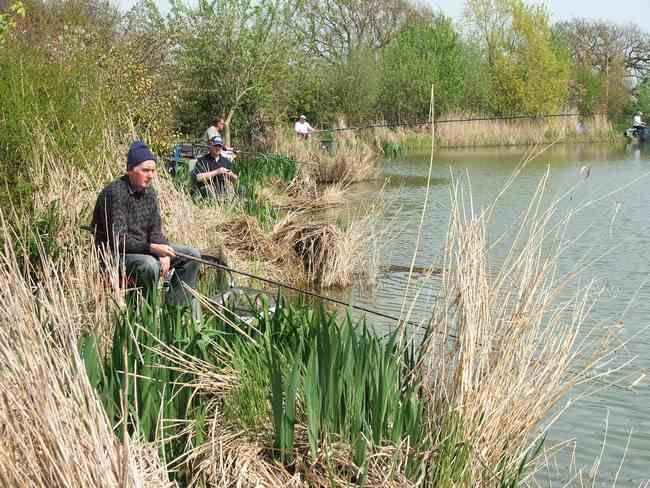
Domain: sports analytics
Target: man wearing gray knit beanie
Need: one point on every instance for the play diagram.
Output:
(127, 221)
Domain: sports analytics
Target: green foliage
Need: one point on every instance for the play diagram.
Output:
(529, 74)
(35, 238)
(234, 55)
(587, 90)
(9, 19)
(62, 91)
(264, 168)
(392, 149)
(422, 55)
(157, 390)
(342, 380)
(258, 172)
(299, 365)
(354, 85)
(643, 97)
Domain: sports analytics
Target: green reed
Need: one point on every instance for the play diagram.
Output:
(299, 366)
(264, 168)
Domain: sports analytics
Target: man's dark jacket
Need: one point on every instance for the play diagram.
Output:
(205, 164)
(127, 218)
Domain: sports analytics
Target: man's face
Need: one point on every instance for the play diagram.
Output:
(215, 151)
(140, 177)
(220, 125)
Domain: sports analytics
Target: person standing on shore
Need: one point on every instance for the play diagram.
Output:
(127, 222)
(637, 122)
(302, 128)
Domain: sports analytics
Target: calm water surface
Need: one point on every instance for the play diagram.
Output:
(615, 229)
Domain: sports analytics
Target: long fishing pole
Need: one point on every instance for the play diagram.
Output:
(214, 262)
(448, 121)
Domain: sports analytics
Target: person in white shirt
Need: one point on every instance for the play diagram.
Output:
(302, 128)
(637, 121)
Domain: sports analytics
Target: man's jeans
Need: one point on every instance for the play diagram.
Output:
(146, 271)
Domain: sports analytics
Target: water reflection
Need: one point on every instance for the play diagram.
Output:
(611, 232)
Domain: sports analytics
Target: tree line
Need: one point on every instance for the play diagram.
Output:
(67, 64)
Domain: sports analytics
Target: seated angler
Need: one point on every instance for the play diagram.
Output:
(212, 170)
(127, 221)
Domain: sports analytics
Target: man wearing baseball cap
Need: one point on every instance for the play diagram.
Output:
(126, 221)
(211, 171)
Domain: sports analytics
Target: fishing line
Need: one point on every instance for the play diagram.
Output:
(214, 262)
(449, 121)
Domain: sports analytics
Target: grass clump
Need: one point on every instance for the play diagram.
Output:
(353, 160)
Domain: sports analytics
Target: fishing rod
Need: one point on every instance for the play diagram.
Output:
(214, 262)
(448, 121)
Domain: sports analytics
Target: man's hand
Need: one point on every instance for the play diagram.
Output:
(165, 264)
(220, 171)
(162, 250)
(230, 175)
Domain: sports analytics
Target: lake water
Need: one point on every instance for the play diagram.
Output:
(615, 229)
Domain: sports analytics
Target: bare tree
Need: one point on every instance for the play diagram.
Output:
(600, 45)
(333, 29)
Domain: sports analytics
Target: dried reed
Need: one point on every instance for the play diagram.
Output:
(55, 431)
(353, 160)
(518, 132)
(332, 257)
(514, 340)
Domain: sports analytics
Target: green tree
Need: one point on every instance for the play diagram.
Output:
(9, 18)
(608, 57)
(528, 70)
(421, 55)
(354, 86)
(235, 53)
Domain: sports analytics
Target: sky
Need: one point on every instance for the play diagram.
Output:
(621, 11)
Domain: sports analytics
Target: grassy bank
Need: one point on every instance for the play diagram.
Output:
(344, 159)
(255, 232)
(303, 397)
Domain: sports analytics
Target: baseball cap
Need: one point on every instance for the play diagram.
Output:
(216, 141)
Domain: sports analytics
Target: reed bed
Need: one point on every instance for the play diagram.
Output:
(55, 431)
(515, 344)
(332, 257)
(302, 397)
(518, 132)
(304, 197)
(101, 391)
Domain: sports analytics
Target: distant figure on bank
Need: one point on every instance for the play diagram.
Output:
(637, 122)
(127, 222)
(214, 130)
(211, 171)
(302, 128)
